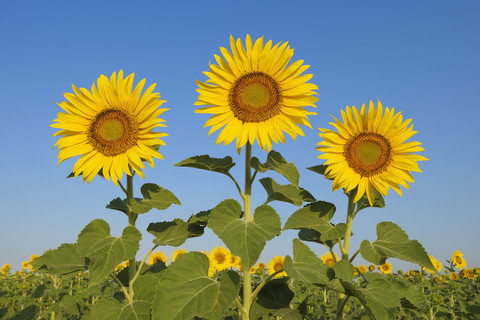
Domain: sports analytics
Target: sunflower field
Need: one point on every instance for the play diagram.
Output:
(254, 95)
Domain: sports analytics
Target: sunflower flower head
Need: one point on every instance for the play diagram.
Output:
(110, 127)
(329, 259)
(437, 264)
(362, 268)
(222, 257)
(368, 151)
(177, 253)
(255, 94)
(275, 264)
(386, 268)
(372, 267)
(25, 265)
(157, 256)
(458, 260)
(234, 260)
(6, 268)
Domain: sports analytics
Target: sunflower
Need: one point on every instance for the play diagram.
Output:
(261, 265)
(454, 276)
(328, 259)
(157, 255)
(222, 257)
(253, 270)
(110, 128)
(275, 264)
(369, 151)
(177, 253)
(234, 261)
(437, 264)
(362, 268)
(458, 261)
(33, 257)
(212, 265)
(6, 268)
(372, 267)
(254, 94)
(386, 268)
(25, 265)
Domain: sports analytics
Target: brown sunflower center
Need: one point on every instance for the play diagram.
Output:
(330, 262)
(458, 259)
(112, 132)
(255, 97)
(368, 153)
(277, 266)
(220, 258)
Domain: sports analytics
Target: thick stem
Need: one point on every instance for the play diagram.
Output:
(247, 210)
(132, 216)
(350, 215)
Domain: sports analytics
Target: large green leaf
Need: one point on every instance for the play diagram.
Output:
(276, 162)
(244, 239)
(169, 233)
(154, 196)
(305, 266)
(119, 205)
(197, 223)
(379, 299)
(317, 216)
(286, 193)
(111, 309)
(185, 290)
(105, 251)
(393, 242)
(144, 288)
(344, 270)
(64, 260)
(314, 236)
(221, 165)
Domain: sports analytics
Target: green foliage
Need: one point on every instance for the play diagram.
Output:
(205, 162)
(197, 223)
(286, 193)
(276, 162)
(105, 251)
(64, 260)
(363, 203)
(119, 205)
(244, 239)
(305, 266)
(169, 233)
(393, 242)
(185, 290)
(112, 309)
(154, 196)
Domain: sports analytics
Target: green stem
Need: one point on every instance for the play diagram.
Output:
(264, 282)
(143, 262)
(132, 217)
(247, 280)
(122, 287)
(340, 305)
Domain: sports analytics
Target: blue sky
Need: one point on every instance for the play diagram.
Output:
(419, 57)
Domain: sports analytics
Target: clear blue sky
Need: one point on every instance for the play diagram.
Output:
(419, 57)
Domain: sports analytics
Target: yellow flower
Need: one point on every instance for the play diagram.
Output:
(25, 265)
(212, 266)
(222, 257)
(458, 261)
(369, 151)
(328, 259)
(6, 268)
(468, 273)
(234, 261)
(252, 270)
(119, 267)
(177, 253)
(437, 264)
(157, 255)
(111, 128)
(254, 94)
(362, 268)
(454, 276)
(275, 264)
(372, 267)
(386, 268)
(33, 257)
(261, 265)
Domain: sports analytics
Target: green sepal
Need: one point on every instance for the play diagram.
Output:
(64, 261)
(363, 203)
(393, 242)
(119, 205)
(244, 239)
(105, 251)
(185, 290)
(205, 162)
(320, 169)
(274, 299)
(276, 162)
(169, 233)
(286, 193)
(305, 266)
(154, 196)
(111, 309)
(317, 216)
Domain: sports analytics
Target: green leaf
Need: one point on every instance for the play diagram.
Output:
(169, 233)
(244, 239)
(317, 216)
(154, 196)
(314, 236)
(28, 313)
(144, 288)
(410, 296)
(276, 162)
(118, 204)
(64, 260)
(378, 299)
(197, 223)
(344, 270)
(67, 306)
(274, 298)
(221, 165)
(111, 309)
(185, 290)
(393, 242)
(286, 193)
(320, 169)
(363, 203)
(305, 266)
(105, 251)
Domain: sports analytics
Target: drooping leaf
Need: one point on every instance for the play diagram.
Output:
(317, 216)
(286, 193)
(154, 196)
(118, 204)
(205, 162)
(185, 290)
(244, 239)
(64, 260)
(305, 266)
(393, 242)
(111, 309)
(197, 223)
(169, 233)
(314, 236)
(276, 162)
(105, 251)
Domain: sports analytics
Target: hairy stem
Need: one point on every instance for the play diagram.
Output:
(247, 280)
